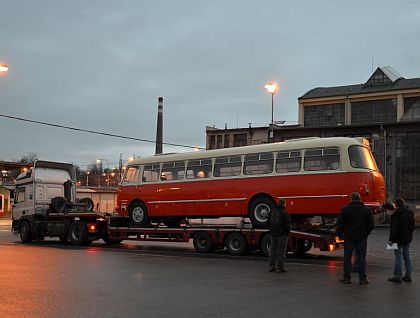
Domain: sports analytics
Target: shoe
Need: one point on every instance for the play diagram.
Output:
(345, 280)
(394, 279)
(282, 270)
(272, 270)
(364, 282)
(407, 279)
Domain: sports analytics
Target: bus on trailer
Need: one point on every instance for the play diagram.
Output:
(314, 176)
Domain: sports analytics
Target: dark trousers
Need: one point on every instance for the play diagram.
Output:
(360, 247)
(278, 251)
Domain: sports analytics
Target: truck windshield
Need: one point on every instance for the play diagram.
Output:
(361, 157)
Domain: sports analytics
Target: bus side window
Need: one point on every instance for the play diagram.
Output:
(322, 159)
(288, 161)
(261, 163)
(173, 170)
(227, 166)
(151, 172)
(199, 168)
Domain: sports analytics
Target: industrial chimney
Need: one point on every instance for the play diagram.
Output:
(159, 129)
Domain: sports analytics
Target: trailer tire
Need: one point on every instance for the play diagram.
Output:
(236, 243)
(258, 211)
(266, 245)
(58, 204)
(138, 215)
(203, 242)
(302, 246)
(25, 232)
(110, 241)
(78, 233)
(89, 204)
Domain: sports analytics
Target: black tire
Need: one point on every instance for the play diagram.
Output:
(110, 241)
(25, 232)
(258, 211)
(58, 204)
(89, 204)
(266, 245)
(236, 243)
(173, 222)
(302, 247)
(78, 233)
(202, 242)
(138, 215)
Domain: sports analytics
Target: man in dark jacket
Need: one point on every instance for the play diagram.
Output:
(279, 225)
(401, 232)
(355, 223)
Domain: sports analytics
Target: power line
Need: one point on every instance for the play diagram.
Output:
(94, 132)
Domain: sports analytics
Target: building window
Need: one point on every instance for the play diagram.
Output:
(240, 140)
(411, 108)
(212, 143)
(374, 111)
(324, 115)
(226, 143)
(219, 141)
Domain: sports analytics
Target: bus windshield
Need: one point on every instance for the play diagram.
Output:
(361, 157)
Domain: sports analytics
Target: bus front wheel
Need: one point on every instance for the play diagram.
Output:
(138, 214)
(259, 210)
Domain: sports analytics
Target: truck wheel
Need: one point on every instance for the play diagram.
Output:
(302, 246)
(236, 243)
(202, 242)
(110, 241)
(258, 211)
(266, 245)
(138, 215)
(78, 233)
(58, 204)
(89, 204)
(25, 232)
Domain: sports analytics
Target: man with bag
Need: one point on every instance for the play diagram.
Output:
(401, 232)
(279, 224)
(355, 223)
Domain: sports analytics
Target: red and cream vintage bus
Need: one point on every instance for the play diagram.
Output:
(314, 175)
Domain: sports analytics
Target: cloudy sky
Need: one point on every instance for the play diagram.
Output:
(100, 65)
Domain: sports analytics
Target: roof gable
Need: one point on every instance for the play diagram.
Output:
(385, 75)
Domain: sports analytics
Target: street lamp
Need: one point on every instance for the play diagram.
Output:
(87, 178)
(272, 88)
(107, 162)
(4, 68)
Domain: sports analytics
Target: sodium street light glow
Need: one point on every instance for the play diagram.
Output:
(271, 87)
(4, 67)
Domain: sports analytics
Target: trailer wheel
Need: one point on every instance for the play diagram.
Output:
(302, 246)
(78, 233)
(138, 214)
(266, 245)
(202, 242)
(110, 241)
(89, 204)
(259, 210)
(58, 204)
(25, 232)
(236, 243)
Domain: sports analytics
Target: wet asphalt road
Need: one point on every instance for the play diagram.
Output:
(148, 279)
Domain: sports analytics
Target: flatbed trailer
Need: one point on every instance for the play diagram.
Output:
(82, 228)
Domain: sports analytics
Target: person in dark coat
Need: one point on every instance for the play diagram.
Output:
(355, 223)
(279, 224)
(401, 232)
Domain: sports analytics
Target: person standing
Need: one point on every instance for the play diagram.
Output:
(279, 225)
(401, 232)
(355, 223)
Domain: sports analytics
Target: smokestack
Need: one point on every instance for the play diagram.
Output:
(159, 128)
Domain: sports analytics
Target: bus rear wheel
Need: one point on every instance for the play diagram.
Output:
(138, 215)
(203, 242)
(259, 210)
(236, 243)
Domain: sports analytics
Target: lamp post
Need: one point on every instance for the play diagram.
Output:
(272, 88)
(107, 162)
(87, 178)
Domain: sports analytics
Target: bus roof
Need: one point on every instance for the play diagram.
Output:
(291, 144)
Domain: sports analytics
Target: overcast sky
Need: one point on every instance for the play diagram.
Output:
(100, 65)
